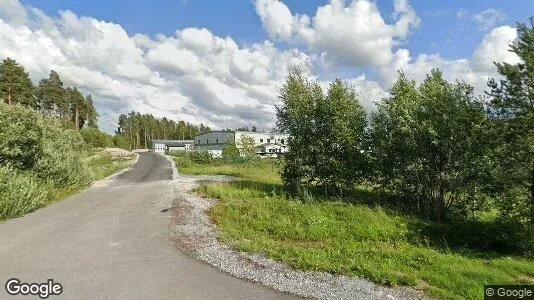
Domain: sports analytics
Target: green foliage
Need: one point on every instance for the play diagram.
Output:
(327, 135)
(61, 161)
(41, 160)
(356, 239)
(15, 84)
(431, 143)
(21, 134)
(512, 112)
(139, 130)
(96, 138)
(230, 151)
(247, 146)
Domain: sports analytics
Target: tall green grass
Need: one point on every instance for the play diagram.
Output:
(351, 237)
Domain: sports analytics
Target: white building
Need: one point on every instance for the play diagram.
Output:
(166, 146)
(270, 144)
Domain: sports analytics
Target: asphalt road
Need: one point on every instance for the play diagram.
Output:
(111, 241)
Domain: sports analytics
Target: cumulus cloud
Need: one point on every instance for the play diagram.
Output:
(192, 75)
(353, 34)
(494, 48)
(475, 70)
(197, 76)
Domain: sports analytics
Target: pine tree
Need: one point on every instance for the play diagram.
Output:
(15, 84)
(50, 93)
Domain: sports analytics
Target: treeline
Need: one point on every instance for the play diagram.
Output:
(49, 97)
(136, 130)
(435, 147)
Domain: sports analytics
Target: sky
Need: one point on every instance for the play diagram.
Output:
(222, 63)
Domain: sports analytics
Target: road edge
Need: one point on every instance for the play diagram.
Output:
(136, 159)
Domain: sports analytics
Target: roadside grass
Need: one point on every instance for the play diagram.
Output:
(22, 192)
(103, 164)
(348, 236)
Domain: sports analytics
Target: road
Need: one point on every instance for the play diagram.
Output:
(111, 241)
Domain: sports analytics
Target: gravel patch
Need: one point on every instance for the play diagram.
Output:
(193, 232)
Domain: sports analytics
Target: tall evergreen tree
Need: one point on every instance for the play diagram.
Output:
(15, 84)
(50, 93)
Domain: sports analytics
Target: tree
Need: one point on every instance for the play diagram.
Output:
(327, 134)
(15, 84)
(78, 107)
(295, 117)
(431, 144)
(340, 123)
(50, 93)
(90, 113)
(247, 146)
(512, 112)
(230, 151)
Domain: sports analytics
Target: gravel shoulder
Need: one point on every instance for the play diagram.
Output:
(193, 232)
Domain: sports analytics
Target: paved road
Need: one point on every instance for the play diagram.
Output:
(111, 241)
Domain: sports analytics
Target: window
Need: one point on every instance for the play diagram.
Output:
(207, 141)
(261, 140)
(268, 140)
(216, 141)
(282, 141)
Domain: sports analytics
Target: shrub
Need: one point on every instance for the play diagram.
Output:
(61, 161)
(230, 151)
(20, 136)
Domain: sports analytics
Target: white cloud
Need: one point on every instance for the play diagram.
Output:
(495, 47)
(475, 70)
(488, 18)
(193, 75)
(197, 76)
(355, 34)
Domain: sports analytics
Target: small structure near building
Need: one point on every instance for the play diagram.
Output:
(166, 146)
(267, 144)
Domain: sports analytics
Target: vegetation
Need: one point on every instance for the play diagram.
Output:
(136, 131)
(447, 153)
(355, 236)
(49, 141)
(327, 135)
(435, 192)
(42, 161)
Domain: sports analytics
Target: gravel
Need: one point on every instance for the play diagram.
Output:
(193, 232)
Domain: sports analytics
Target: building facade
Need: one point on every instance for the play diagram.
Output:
(166, 146)
(267, 144)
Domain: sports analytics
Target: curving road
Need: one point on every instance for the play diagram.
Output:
(111, 241)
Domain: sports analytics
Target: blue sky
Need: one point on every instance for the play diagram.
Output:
(222, 62)
(441, 30)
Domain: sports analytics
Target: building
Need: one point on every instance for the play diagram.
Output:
(267, 144)
(166, 146)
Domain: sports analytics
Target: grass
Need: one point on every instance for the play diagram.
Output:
(22, 192)
(104, 165)
(383, 245)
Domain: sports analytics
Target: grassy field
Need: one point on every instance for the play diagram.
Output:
(386, 246)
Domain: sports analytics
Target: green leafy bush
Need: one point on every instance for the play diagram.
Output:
(20, 136)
